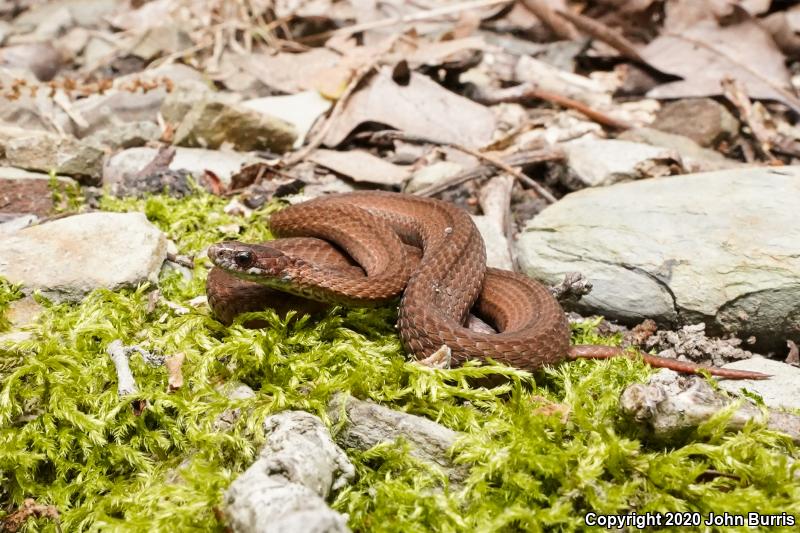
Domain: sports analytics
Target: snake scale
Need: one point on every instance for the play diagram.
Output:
(368, 248)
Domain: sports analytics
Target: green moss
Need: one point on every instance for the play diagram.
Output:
(68, 439)
(8, 293)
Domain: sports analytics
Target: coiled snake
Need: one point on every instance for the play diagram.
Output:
(328, 244)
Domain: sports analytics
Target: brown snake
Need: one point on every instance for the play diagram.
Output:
(381, 231)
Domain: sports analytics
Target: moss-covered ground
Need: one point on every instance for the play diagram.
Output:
(68, 439)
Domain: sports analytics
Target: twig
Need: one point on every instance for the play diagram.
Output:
(363, 73)
(601, 32)
(552, 153)
(493, 161)
(541, 191)
(550, 18)
(735, 92)
(119, 355)
(495, 201)
(528, 91)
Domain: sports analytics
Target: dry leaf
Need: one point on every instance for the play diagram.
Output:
(706, 53)
(290, 73)
(784, 26)
(423, 108)
(361, 166)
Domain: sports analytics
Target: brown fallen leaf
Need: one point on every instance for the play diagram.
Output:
(360, 166)
(289, 73)
(422, 107)
(705, 53)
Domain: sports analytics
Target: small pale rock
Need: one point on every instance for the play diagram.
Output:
(695, 157)
(180, 101)
(781, 391)
(432, 174)
(705, 121)
(600, 162)
(69, 257)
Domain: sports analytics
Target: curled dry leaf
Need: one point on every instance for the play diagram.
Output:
(422, 107)
(705, 53)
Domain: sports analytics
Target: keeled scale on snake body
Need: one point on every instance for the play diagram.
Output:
(328, 244)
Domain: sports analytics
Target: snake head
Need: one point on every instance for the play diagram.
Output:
(249, 261)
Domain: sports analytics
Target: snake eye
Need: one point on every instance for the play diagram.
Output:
(243, 259)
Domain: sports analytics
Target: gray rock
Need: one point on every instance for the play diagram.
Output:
(46, 152)
(211, 123)
(598, 162)
(110, 110)
(285, 489)
(695, 157)
(703, 120)
(781, 391)
(69, 257)
(126, 135)
(194, 160)
(721, 248)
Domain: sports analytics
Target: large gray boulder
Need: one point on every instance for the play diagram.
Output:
(720, 247)
(67, 258)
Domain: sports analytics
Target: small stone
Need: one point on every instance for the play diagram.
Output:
(695, 157)
(126, 135)
(431, 175)
(705, 121)
(600, 162)
(46, 152)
